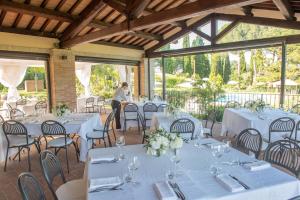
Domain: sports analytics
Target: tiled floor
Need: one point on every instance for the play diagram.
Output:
(8, 180)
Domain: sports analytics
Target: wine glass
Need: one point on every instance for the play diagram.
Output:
(217, 153)
(175, 159)
(133, 165)
(120, 142)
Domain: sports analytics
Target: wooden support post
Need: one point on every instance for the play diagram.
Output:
(149, 77)
(163, 77)
(283, 70)
(139, 79)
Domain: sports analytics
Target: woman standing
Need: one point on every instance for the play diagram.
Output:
(119, 95)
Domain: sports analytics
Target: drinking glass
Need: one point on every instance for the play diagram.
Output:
(175, 159)
(227, 146)
(217, 153)
(133, 165)
(120, 142)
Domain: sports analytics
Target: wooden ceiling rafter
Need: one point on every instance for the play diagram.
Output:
(85, 18)
(185, 11)
(179, 34)
(260, 21)
(227, 29)
(285, 8)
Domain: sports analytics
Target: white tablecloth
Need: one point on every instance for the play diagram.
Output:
(236, 120)
(74, 123)
(133, 115)
(162, 120)
(196, 182)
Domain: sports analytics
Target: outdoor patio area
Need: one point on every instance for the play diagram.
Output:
(149, 99)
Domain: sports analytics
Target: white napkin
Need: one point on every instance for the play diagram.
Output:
(229, 183)
(216, 145)
(164, 191)
(255, 166)
(107, 159)
(98, 183)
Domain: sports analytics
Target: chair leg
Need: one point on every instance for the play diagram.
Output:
(6, 157)
(104, 142)
(67, 159)
(19, 149)
(114, 133)
(28, 155)
(76, 151)
(109, 141)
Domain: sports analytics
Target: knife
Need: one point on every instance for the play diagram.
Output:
(176, 191)
(240, 182)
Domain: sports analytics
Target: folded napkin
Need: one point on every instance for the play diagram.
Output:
(229, 183)
(108, 182)
(164, 191)
(216, 145)
(99, 160)
(258, 165)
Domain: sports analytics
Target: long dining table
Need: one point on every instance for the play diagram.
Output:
(236, 120)
(80, 123)
(195, 180)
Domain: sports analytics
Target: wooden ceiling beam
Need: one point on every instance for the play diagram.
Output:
(260, 21)
(138, 8)
(227, 29)
(35, 11)
(231, 46)
(116, 5)
(201, 34)
(127, 46)
(179, 34)
(183, 12)
(28, 32)
(285, 8)
(85, 18)
(61, 17)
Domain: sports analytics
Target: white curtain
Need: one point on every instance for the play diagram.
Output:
(83, 73)
(12, 73)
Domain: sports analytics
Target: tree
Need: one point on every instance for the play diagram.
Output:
(214, 66)
(187, 63)
(201, 60)
(227, 68)
(252, 68)
(243, 66)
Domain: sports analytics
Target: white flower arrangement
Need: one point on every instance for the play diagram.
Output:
(159, 142)
(61, 110)
(258, 106)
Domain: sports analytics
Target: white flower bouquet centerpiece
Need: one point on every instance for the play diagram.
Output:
(258, 106)
(159, 142)
(61, 110)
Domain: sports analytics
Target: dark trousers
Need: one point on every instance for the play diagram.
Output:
(117, 105)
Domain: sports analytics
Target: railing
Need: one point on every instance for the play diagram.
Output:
(189, 101)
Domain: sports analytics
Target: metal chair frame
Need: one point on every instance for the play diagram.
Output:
(15, 128)
(51, 168)
(149, 108)
(212, 117)
(108, 126)
(286, 154)
(90, 105)
(54, 128)
(250, 140)
(29, 185)
(41, 105)
(183, 125)
(162, 107)
(295, 109)
(100, 104)
(287, 126)
(131, 108)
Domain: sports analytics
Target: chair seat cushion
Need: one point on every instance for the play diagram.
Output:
(59, 142)
(72, 190)
(19, 140)
(95, 134)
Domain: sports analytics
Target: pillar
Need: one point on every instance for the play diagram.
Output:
(62, 77)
